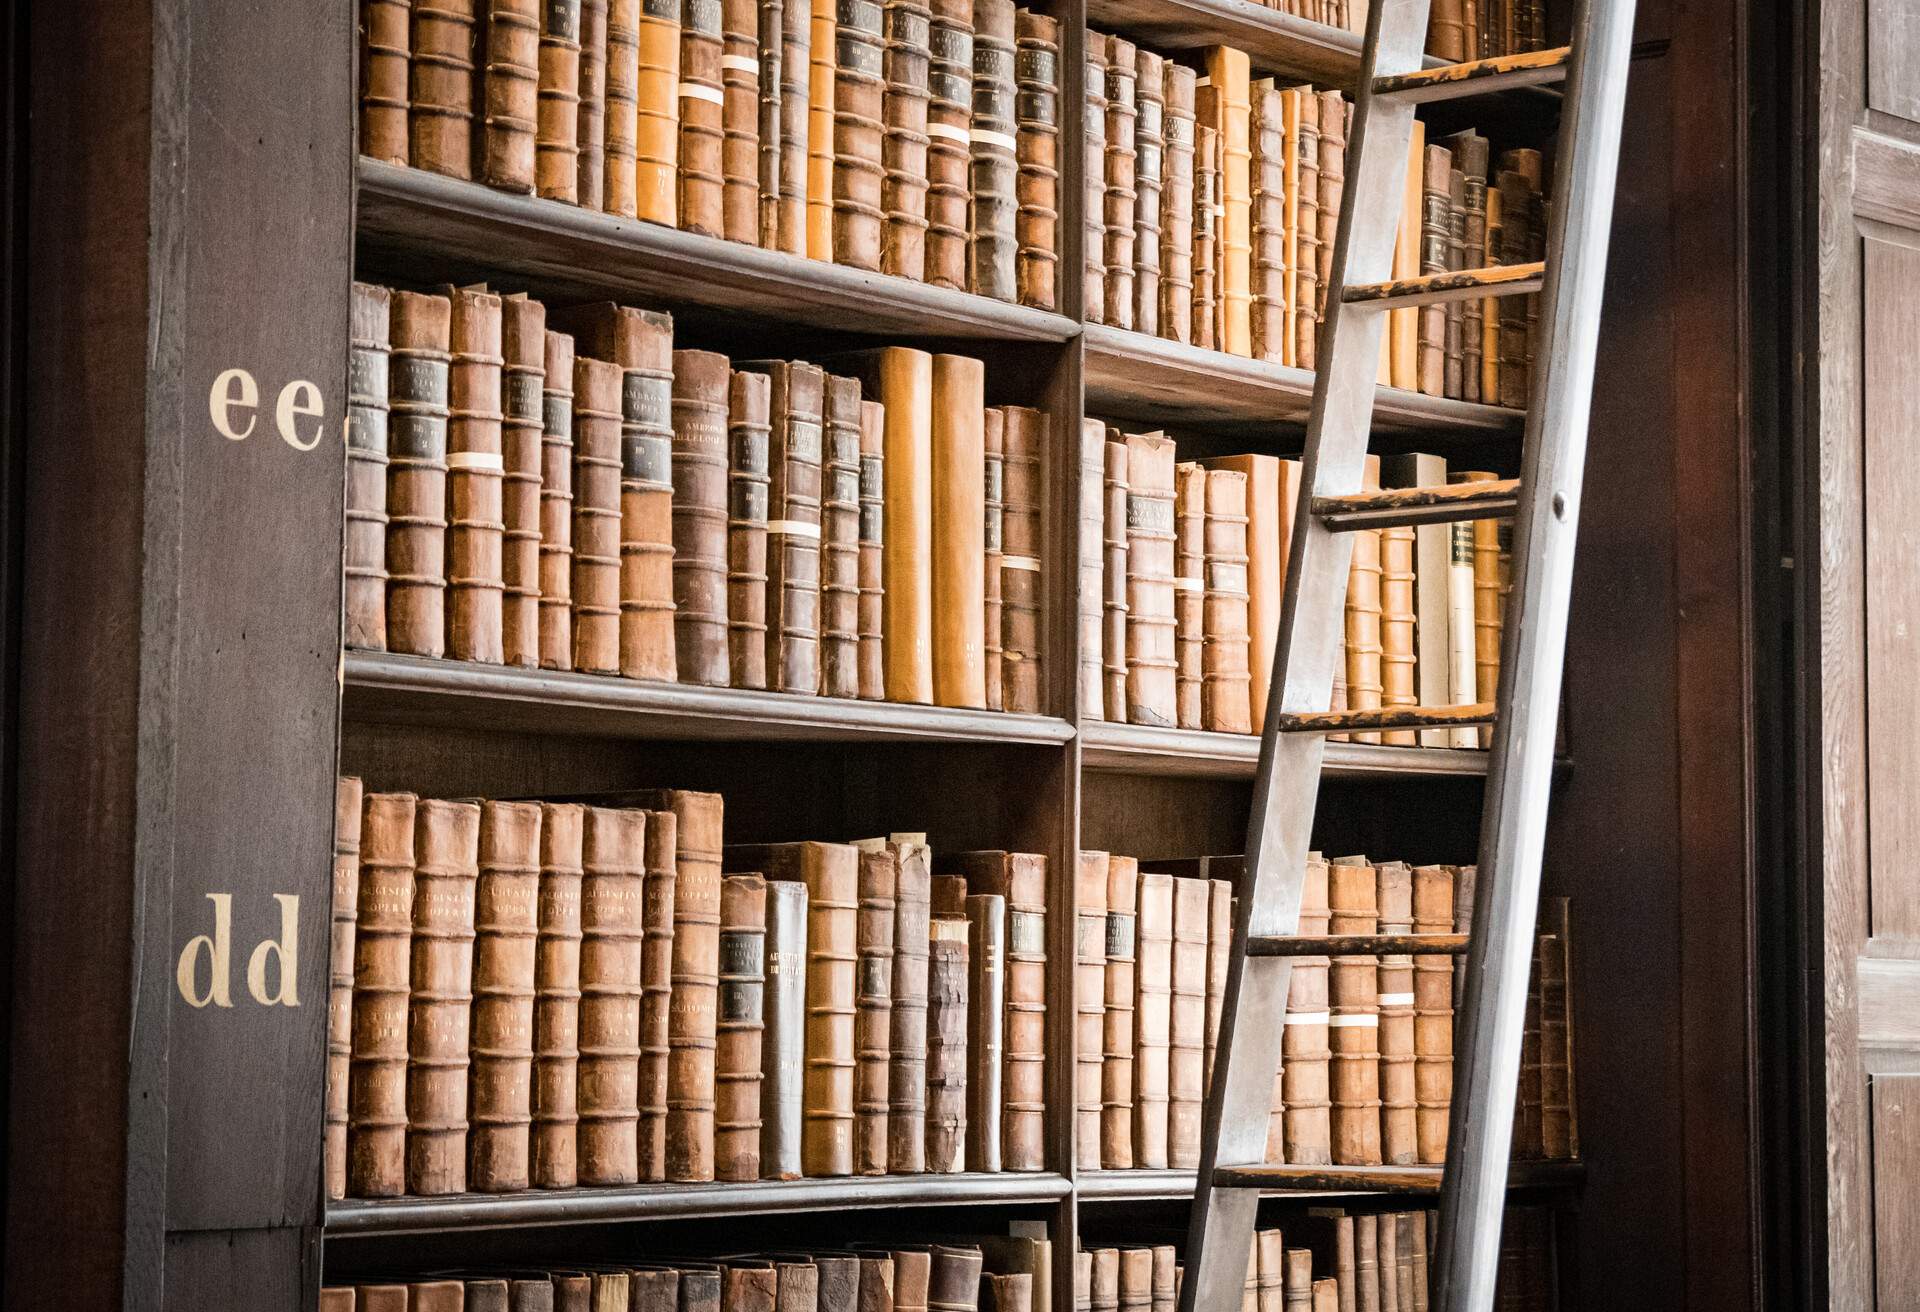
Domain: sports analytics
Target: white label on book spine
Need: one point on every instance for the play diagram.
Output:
(1309, 1017)
(1396, 999)
(1354, 1022)
(794, 528)
(947, 132)
(694, 91)
(482, 460)
(741, 64)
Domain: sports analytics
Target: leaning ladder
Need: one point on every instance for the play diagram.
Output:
(1545, 500)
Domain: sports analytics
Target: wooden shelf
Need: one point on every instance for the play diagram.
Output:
(657, 1202)
(435, 227)
(1275, 42)
(1135, 376)
(1196, 754)
(384, 687)
(1320, 1181)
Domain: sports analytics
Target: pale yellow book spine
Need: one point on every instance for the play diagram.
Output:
(1404, 325)
(1290, 126)
(1228, 71)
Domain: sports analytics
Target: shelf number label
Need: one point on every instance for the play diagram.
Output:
(205, 969)
(233, 403)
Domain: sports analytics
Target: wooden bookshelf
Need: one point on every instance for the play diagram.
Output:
(1275, 42)
(1320, 1181)
(1195, 754)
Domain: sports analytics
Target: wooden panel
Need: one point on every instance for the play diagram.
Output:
(1889, 1010)
(1896, 1189)
(1893, 60)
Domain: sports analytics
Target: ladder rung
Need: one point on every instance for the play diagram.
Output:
(1394, 507)
(1385, 1179)
(1476, 77)
(1458, 285)
(1350, 945)
(1386, 717)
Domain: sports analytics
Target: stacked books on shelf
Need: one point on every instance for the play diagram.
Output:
(1459, 30)
(547, 995)
(1183, 569)
(906, 137)
(567, 491)
(1366, 1071)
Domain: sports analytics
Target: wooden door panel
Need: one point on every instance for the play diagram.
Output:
(1896, 1188)
(1893, 57)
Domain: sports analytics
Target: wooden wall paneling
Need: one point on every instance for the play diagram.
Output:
(1896, 1185)
(1893, 58)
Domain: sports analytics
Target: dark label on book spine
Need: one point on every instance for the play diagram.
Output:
(557, 418)
(1027, 933)
(803, 440)
(702, 17)
(747, 502)
(1149, 513)
(1119, 933)
(367, 376)
(667, 11)
(417, 437)
(367, 430)
(526, 396)
(647, 459)
(419, 379)
(562, 22)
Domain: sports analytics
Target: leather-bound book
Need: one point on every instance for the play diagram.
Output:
(907, 25)
(572, 1292)
(1366, 1262)
(1136, 1279)
(1455, 347)
(531, 1293)
(1152, 1021)
(1082, 1281)
(1387, 1240)
(1303, 266)
(1508, 236)
(1219, 954)
(555, 639)
(1402, 360)
(1354, 1002)
(1559, 1135)
(1435, 200)
(1269, 1264)
(475, 521)
(902, 380)
(1335, 114)
(1150, 557)
(947, 1046)
(1021, 878)
(1464, 880)
(949, 141)
(740, 84)
(959, 527)
(1364, 685)
(1189, 597)
(1166, 1278)
(840, 538)
(1398, 1135)
(506, 928)
(1447, 31)
(1397, 617)
(620, 106)
(591, 161)
(1306, 1131)
(748, 1286)
(436, 1296)
(523, 417)
(1268, 304)
(912, 1271)
(440, 117)
(556, 141)
(1119, 200)
(339, 1298)
(510, 94)
(417, 391)
(953, 1283)
(1432, 1013)
(741, 1021)
(1526, 1114)
(986, 1029)
(364, 554)
(613, 862)
(1430, 622)
(797, 412)
(1486, 598)
(1093, 201)
(556, 999)
(1227, 73)
(839, 1281)
(701, 180)
(873, 1009)
(446, 851)
(831, 872)
(1114, 585)
(659, 1013)
(1174, 318)
(1346, 1299)
(1149, 175)
(995, 438)
(1036, 71)
(641, 344)
(821, 58)
(858, 87)
(1206, 221)
(874, 1282)
(1006, 1293)
(1020, 562)
(347, 804)
(700, 381)
(1103, 1292)
(1470, 156)
(1089, 1003)
(1187, 1030)
(795, 110)
(748, 435)
(1091, 600)
(1326, 1295)
(1297, 1289)
(873, 592)
(385, 94)
(783, 1045)
(1117, 1049)
(907, 1027)
(596, 516)
(994, 167)
(1413, 1259)
(1225, 682)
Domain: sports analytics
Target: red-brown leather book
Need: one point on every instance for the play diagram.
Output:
(858, 86)
(994, 169)
(556, 506)
(907, 1027)
(1091, 601)
(946, 1046)
(595, 583)
(1021, 879)
(1119, 200)
(436, 1296)
(1187, 1029)
(506, 928)
(959, 528)
(510, 94)
(591, 161)
(1306, 1130)
(1150, 558)
(1471, 153)
(793, 523)
(385, 94)
(1117, 1049)
(1152, 1021)
(474, 480)
(1021, 564)
(1089, 1003)
(620, 73)
(702, 172)
(873, 591)
(1189, 589)
(796, 51)
(840, 539)
(783, 1043)
(1268, 164)
(1114, 641)
(556, 143)
(1399, 1142)
(659, 915)
(347, 803)
(556, 999)
(740, 120)
(949, 141)
(417, 389)
(523, 417)
(446, 851)
(699, 457)
(748, 434)
(1093, 201)
(873, 1009)
(1226, 704)
(1006, 1293)
(1515, 238)
(339, 1298)
(440, 87)
(994, 432)
(1456, 346)
(1149, 174)
(613, 861)
(1036, 70)
(903, 149)
(820, 65)
(1354, 998)
(986, 1027)
(1433, 1012)
(364, 553)
(1206, 222)
(1175, 312)
(741, 1021)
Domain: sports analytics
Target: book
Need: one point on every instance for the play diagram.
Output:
(1403, 326)
(907, 1026)
(1177, 202)
(1036, 70)
(1306, 1094)
(958, 466)
(1269, 1264)
(740, 120)
(769, 73)
(1366, 1262)
(783, 1042)
(1149, 173)
(902, 380)
(995, 437)
(873, 594)
(912, 1269)
(796, 114)
(1268, 525)
(591, 160)
(947, 986)
(1399, 1137)
(1117, 1047)
(1436, 193)
(1486, 602)
(1432, 1014)
(953, 1283)
(1454, 375)
(1006, 1293)
(510, 92)
(643, 348)
(613, 872)
(555, 639)
(1206, 221)
(700, 198)
(949, 142)
(1363, 613)
(1430, 620)
(1559, 1132)
(903, 148)
(417, 395)
(1103, 1293)
(523, 415)
(749, 426)
(1526, 1116)
(1465, 878)
(1227, 74)
(1267, 305)
(659, 172)
(1219, 955)
(699, 516)
(1470, 155)
(385, 92)
(506, 929)
(1136, 1279)
(348, 801)
(446, 868)
(873, 1010)
(1354, 1002)
(1447, 31)
(798, 416)
(1021, 879)
(474, 471)
(1398, 613)
(1189, 589)
(626, 66)
(595, 557)
(993, 165)
(1120, 199)
(556, 1000)
(1490, 252)
(1089, 999)
(1091, 599)
(1226, 704)
(364, 543)
(986, 1028)
(1022, 569)
(1302, 105)
(1153, 1008)
(440, 88)
(821, 56)
(1165, 1289)
(858, 128)
(1149, 572)
(840, 540)
(659, 1081)
(1114, 641)
(1187, 1031)
(1093, 170)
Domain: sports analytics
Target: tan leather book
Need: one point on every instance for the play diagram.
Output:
(798, 402)
(1187, 1033)
(1037, 116)
(1089, 997)
(417, 392)
(621, 170)
(1398, 673)
(1091, 492)
(1470, 155)
(657, 140)
(555, 640)
(1206, 220)
(1268, 306)
(1021, 879)
(1103, 1294)
(858, 88)
(784, 1041)
(1335, 113)
(591, 161)
(1354, 998)
(992, 258)
(347, 803)
(510, 40)
(902, 380)
(748, 1286)
(523, 416)
(1326, 1295)
(1093, 201)
(475, 519)
(1151, 689)
(986, 1029)
(364, 552)
(1117, 1049)
(958, 466)
(1493, 235)
(873, 1009)
(1174, 318)
(949, 141)
(446, 848)
(1021, 564)
(1303, 225)
(1269, 1265)
(1403, 326)
(1429, 624)
(1006, 1293)
(1306, 1095)
(1082, 1281)
(1388, 1242)
(994, 431)
(1269, 520)
(1225, 682)
(1447, 32)
(1455, 347)
(1486, 603)
(821, 59)
(643, 348)
(1149, 176)
(1366, 1263)
(740, 75)
(699, 508)
(1413, 1259)
(339, 1298)
(1136, 1279)
(1347, 1299)
(946, 1047)
(701, 194)
(506, 927)
(1165, 1289)
(613, 862)
(1297, 1287)
(385, 92)
(440, 87)
(1219, 954)
(907, 1026)
(1114, 641)
(556, 142)
(556, 1004)
(1398, 1133)
(873, 537)
(436, 1296)
(748, 436)
(912, 1268)
(1120, 198)
(596, 516)
(1432, 1013)
(903, 149)
(660, 1017)
(1435, 201)
(1227, 73)
(1152, 1027)
(796, 90)
(741, 1021)
(1559, 1132)
(1189, 589)
(840, 539)
(1363, 614)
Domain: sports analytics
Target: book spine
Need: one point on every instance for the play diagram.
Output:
(1023, 1137)
(701, 180)
(1149, 174)
(739, 1027)
(446, 860)
(556, 505)
(1093, 202)
(613, 862)
(417, 392)
(986, 1022)
(1354, 995)
(953, 1284)
(1526, 1121)
(993, 154)
(907, 1027)
(1119, 200)
(591, 160)
(1267, 307)
(659, 1081)
(1435, 194)
(872, 657)
(1363, 687)
(556, 1006)
(949, 141)
(1103, 1284)
(348, 801)
(556, 143)
(1332, 179)
(1401, 363)
(947, 1045)
(511, 91)
(1269, 1264)
(1433, 1013)
(1387, 1239)
(475, 520)
(1021, 564)
(1366, 1263)
(1089, 998)
(1175, 316)
(1490, 255)
(873, 1012)
(1206, 229)
(1114, 643)
(596, 516)
(699, 827)
(1007, 1293)
(1152, 1021)
(1136, 1279)
(793, 527)
(1149, 574)
(903, 150)
(826, 1142)
(1306, 1130)
(620, 175)
(1036, 71)
(1397, 672)
(770, 29)
(523, 408)
(840, 541)
(1219, 954)
(906, 389)
(506, 929)
(1297, 1284)
(995, 438)
(1227, 71)
(1516, 236)
(1398, 1098)
(385, 96)
(1486, 614)
(658, 87)
(748, 429)
(959, 531)
(796, 115)
(700, 519)
(858, 130)
(1189, 596)
(784, 1042)
(647, 618)
(440, 117)
(1447, 31)
(1166, 1278)
(822, 53)
(1091, 599)
(1455, 371)
(1225, 681)
(364, 556)
(1303, 272)
(1473, 245)
(1187, 1028)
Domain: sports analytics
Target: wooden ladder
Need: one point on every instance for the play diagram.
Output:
(1545, 499)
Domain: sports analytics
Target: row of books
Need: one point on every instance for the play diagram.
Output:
(903, 137)
(567, 490)
(1460, 30)
(535, 994)
(1183, 569)
(1366, 1072)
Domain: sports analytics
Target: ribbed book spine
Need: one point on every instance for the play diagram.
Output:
(1455, 378)
(907, 1026)
(506, 928)
(986, 1028)
(556, 142)
(623, 73)
(475, 522)
(1119, 200)
(832, 876)
(591, 160)
(523, 409)
(1435, 194)
(959, 531)
(739, 1028)
(1093, 200)
(596, 516)
(903, 194)
(994, 434)
(770, 25)
(873, 669)
(365, 550)
(1114, 643)
(1516, 240)
(949, 141)
(648, 565)
(385, 94)
(700, 825)
(1117, 1048)
(659, 916)
(1036, 71)
(793, 525)
(1206, 226)
(702, 177)
(1219, 954)
(1021, 878)
(382, 949)
(748, 429)
(873, 1014)
(1227, 73)
(1091, 600)
(1559, 1136)
(1151, 690)
(417, 388)
(1470, 152)
(822, 54)
(1175, 315)
(700, 380)
(784, 1040)
(1303, 269)
(1149, 174)
(446, 867)
(440, 117)
(1354, 997)
(1189, 595)
(796, 62)
(1152, 1021)
(1398, 1135)
(840, 541)
(1335, 113)
(613, 861)
(947, 1046)
(1021, 564)
(994, 170)
(1268, 261)
(348, 799)
(859, 85)
(556, 506)
(1225, 683)
(1397, 618)
(1364, 685)
(903, 380)
(1432, 1013)
(556, 1001)
(658, 172)
(510, 94)
(1089, 1003)
(1187, 1031)
(1307, 1127)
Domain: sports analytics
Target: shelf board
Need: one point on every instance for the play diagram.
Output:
(657, 1202)
(1321, 1181)
(1197, 754)
(1136, 376)
(1275, 42)
(443, 227)
(388, 688)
